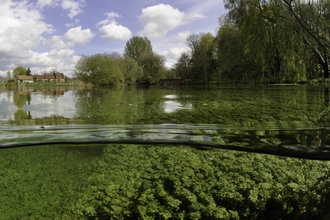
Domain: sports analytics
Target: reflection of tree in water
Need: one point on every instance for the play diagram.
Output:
(21, 99)
(22, 115)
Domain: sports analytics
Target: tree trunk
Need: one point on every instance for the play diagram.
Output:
(326, 68)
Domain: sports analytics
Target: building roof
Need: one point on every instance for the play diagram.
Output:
(59, 75)
(24, 77)
(49, 76)
(40, 77)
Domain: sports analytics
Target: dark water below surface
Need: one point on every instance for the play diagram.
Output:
(174, 180)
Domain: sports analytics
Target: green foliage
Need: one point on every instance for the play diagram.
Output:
(152, 64)
(19, 70)
(41, 182)
(140, 182)
(182, 67)
(136, 47)
(200, 63)
(153, 67)
(131, 71)
(278, 35)
(28, 72)
(234, 65)
(99, 69)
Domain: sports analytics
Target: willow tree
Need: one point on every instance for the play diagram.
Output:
(270, 38)
(234, 65)
(312, 20)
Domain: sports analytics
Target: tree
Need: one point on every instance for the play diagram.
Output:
(233, 64)
(182, 67)
(131, 71)
(28, 72)
(8, 74)
(208, 57)
(200, 63)
(19, 70)
(153, 67)
(314, 21)
(136, 47)
(99, 69)
(283, 35)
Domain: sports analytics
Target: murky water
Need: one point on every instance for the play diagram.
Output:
(100, 180)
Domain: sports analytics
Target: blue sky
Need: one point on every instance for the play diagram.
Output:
(53, 34)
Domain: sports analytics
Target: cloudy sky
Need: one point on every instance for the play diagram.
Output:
(46, 34)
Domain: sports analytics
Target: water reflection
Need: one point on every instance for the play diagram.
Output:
(22, 107)
(276, 107)
(171, 105)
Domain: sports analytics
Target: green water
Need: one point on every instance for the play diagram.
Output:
(163, 181)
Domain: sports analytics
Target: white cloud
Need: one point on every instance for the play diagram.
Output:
(44, 3)
(73, 7)
(160, 19)
(113, 31)
(173, 54)
(113, 15)
(109, 19)
(182, 37)
(78, 36)
(57, 42)
(194, 16)
(22, 31)
(72, 24)
(61, 53)
(22, 28)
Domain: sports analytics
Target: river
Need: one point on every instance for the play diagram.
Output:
(167, 181)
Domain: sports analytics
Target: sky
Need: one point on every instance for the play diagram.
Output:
(52, 34)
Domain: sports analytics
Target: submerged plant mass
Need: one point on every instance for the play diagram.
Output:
(164, 182)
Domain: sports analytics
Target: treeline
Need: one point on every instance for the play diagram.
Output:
(262, 42)
(138, 64)
(256, 42)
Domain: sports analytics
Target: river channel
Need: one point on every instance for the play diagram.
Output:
(77, 170)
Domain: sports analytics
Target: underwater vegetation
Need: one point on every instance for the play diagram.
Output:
(158, 182)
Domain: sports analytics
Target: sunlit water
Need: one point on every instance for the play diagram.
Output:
(174, 180)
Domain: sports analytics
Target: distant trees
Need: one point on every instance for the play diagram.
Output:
(19, 70)
(199, 64)
(139, 64)
(262, 42)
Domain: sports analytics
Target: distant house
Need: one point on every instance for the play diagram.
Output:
(40, 78)
(23, 78)
(49, 77)
(46, 77)
(59, 77)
